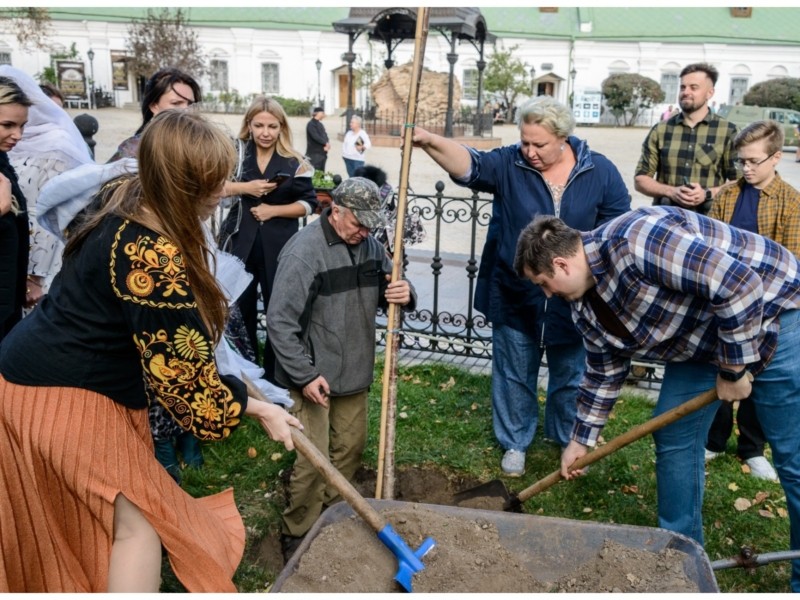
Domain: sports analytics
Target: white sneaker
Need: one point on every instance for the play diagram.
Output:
(513, 463)
(711, 455)
(760, 467)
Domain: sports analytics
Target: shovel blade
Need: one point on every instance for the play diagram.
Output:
(491, 491)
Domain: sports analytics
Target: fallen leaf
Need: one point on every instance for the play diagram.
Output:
(406, 377)
(745, 468)
(403, 415)
(717, 524)
(733, 487)
(474, 406)
(630, 489)
(782, 512)
(587, 510)
(416, 380)
(742, 504)
(447, 385)
(275, 456)
(432, 400)
(635, 467)
(765, 513)
(760, 497)
(252, 452)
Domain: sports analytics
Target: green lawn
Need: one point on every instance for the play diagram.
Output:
(445, 420)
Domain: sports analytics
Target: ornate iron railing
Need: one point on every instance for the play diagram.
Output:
(445, 323)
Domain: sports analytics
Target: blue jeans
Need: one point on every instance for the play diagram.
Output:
(351, 165)
(516, 357)
(680, 446)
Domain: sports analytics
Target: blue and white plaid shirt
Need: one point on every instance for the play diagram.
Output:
(686, 287)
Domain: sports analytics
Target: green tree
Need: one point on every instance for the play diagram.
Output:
(164, 39)
(780, 93)
(506, 76)
(627, 94)
(31, 26)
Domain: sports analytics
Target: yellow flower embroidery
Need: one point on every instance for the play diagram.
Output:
(160, 261)
(205, 406)
(190, 343)
(140, 283)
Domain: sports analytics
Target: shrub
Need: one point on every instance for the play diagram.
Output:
(780, 93)
(627, 94)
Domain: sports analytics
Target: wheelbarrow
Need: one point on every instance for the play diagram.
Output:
(548, 547)
(552, 547)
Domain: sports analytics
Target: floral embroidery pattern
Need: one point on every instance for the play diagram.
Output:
(153, 266)
(187, 384)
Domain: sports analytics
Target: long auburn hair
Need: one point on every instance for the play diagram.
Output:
(284, 145)
(183, 161)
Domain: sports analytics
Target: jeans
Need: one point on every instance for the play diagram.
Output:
(680, 446)
(516, 357)
(351, 164)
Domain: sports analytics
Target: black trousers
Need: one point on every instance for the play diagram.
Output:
(318, 161)
(751, 437)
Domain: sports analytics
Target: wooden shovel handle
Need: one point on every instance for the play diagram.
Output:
(321, 463)
(630, 436)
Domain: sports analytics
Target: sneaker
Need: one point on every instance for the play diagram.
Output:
(711, 455)
(513, 463)
(760, 467)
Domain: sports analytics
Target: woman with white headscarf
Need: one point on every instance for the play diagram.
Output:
(51, 144)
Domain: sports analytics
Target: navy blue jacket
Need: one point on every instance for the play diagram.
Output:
(594, 194)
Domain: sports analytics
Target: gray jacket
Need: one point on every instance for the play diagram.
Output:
(321, 316)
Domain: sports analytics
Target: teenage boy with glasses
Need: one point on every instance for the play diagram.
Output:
(761, 202)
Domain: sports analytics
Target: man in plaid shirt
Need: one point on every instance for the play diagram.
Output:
(717, 303)
(687, 158)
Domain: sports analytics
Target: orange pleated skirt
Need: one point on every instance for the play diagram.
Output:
(65, 455)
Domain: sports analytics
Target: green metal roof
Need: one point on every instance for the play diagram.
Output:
(766, 25)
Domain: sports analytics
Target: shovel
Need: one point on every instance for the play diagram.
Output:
(410, 561)
(513, 502)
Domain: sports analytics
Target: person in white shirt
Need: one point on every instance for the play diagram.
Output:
(356, 143)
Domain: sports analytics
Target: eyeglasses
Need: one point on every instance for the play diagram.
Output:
(749, 162)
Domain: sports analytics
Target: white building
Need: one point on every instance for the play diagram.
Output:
(275, 50)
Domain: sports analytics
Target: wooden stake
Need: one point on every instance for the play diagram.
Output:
(384, 488)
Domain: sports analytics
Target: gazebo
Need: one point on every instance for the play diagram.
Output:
(391, 26)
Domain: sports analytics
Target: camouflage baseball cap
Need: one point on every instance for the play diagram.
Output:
(362, 197)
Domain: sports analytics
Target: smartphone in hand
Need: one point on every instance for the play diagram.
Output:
(279, 178)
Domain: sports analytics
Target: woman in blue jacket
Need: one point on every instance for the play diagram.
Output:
(551, 172)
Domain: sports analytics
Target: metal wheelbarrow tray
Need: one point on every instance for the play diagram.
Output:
(549, 547)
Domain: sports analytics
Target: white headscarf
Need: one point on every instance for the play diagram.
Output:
(49, 127)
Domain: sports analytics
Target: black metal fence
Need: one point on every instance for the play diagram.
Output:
(444, 271)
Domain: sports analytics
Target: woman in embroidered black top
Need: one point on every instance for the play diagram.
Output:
(85, 506)
(13, 216)
(260, 224)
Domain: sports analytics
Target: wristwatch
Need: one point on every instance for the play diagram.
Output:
(709, 195)
(729, 375)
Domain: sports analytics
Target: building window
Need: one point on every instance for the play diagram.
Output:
(470, 87)
(669, 85)
(270, 78)
(219, 75)
(742, 12)
(5, 58)
(739, 87)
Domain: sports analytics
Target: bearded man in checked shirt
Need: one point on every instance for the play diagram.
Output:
(712, 301)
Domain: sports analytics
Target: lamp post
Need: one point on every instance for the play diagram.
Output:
(319, 88)
(572, 74)
(533, 84)
(90, 54)
(368, 84)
